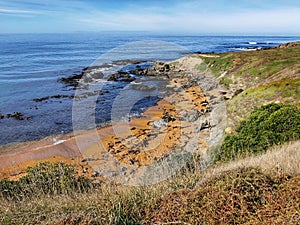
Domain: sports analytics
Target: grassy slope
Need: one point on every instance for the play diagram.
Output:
(264, 76)
(261, 189)
(258, 190)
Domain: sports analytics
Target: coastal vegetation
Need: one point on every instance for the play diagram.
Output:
(254, 178)
(257, 78)
(252, 190)
(45, 179)
(268, 125)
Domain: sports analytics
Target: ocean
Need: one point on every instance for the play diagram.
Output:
(31, 66)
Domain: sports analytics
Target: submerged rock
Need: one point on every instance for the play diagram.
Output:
(72, 80)
(15, 115)
(141, 87)
(52, 97)
(120, 76)
(88, 74)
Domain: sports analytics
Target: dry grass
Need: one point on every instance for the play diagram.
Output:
(277, 161)
(245, 196)
(263, 189)
(271, 191)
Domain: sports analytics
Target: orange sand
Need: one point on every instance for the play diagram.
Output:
(128, 146)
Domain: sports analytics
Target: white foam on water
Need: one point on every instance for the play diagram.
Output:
(59, 142)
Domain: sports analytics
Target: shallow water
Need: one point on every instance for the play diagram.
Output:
(32, 64)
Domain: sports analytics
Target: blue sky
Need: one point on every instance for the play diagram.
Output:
(266, 17)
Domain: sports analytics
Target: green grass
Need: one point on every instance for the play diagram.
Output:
(263, 64)
(266, 69)
(251, 68)
(219, 65)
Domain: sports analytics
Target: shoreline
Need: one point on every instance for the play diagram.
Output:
(162, 123)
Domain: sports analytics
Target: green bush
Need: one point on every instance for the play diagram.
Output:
(45, 179)
(268, 125)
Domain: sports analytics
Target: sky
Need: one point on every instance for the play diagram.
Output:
(249, 17)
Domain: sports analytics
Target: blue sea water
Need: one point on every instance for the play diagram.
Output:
(32, 64)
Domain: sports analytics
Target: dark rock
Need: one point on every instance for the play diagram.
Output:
(290, 45)
(227, 97)
(53, 97)
(133, 161)
(237, 92)
(166, 67)
(223, 92)
(88, 74)
(114, 77)
(204, 103)
(167, 118)
(15, 115)
(123, 77)
(41, 99)
(96, 174)
(139, 72)
(89, 159)
(72, 80)
(1, 116)
(205, 125)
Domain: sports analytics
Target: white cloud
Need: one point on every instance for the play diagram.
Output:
(18, 11)
(186, 16)
(269, 21)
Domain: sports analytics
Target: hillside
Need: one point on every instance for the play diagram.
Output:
(258, 77)
(260, 185)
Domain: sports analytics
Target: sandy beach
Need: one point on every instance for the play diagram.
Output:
(139, 142)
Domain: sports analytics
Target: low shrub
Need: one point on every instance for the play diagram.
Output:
(45, 179)
(268, 125)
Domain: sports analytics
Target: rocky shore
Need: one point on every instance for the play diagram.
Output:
(191, 118)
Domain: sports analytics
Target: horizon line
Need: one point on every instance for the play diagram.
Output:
(161, 32)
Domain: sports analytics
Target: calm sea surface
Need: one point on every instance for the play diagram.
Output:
(32, 64)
